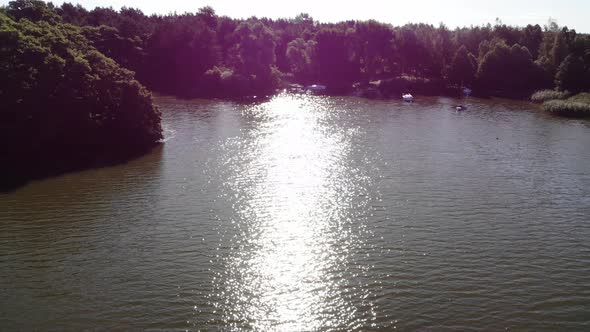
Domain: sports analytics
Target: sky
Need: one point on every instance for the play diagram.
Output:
(453, 13)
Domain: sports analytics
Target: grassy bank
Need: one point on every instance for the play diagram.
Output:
(547, 95)
(558, 103)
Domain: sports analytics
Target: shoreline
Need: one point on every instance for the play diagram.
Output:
(19, 175)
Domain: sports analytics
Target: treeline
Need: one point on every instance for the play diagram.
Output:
(205, 55)
(64, 104)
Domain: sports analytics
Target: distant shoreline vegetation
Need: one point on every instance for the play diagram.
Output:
(571, 97)
(73, 82)
(205, 55)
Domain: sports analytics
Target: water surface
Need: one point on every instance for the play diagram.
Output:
(306, 213)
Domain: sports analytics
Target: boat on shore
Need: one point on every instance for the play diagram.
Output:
(407, 97)
(295, 88)
(316, 88)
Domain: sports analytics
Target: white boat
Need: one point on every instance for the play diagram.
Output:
(408, 97)
(316, 88)
(295, 88)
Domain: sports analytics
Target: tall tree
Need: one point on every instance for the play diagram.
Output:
(572, 75)
(531, 38)
(300, 54)
(509, 70)
(374, 46)
(463, 68)
(559, 50)
(334, 60)
(413, 53)
(257, 56)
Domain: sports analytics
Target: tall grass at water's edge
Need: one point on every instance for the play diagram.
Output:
(546, 95)
(583, 97)
(558, 103)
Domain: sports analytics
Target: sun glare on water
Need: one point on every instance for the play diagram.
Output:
(295, 218)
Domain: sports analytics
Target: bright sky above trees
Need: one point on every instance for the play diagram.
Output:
(571, 13)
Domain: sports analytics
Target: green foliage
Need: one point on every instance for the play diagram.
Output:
(63, 102)
(179, 52)
(415, 55)
(546, 72)
(337, 65)
(34, 10)
(581, 47)
(300, 54)
(560, 49)
(73, 14)
(491, 71)
(256, 51)
(532, 38)
(509, 70)
(127, 52)
(510, 35)
(463, 68)
(374, 46)
(572, 74)
(185, 54)
(472, 37)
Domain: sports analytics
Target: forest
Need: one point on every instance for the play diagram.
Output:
(65, 105)
(76, 83)
(202, 54)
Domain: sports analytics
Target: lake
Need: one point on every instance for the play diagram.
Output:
(309, 213)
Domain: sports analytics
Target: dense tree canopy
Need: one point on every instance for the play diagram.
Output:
(572, 75)
(463, 67)
(63, 102)
(202, 54)
(504, 68)
(300, 54)
(337, 63)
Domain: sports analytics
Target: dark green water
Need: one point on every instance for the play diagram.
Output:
(314, 214)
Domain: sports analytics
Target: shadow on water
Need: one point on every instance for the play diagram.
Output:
(65, 198)
(50, 255)
(15, 177)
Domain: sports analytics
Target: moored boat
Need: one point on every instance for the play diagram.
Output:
(316, 88)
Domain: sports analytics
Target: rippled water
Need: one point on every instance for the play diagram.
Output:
(307, 213)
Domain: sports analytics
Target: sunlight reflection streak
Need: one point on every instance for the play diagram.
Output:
(295, 198)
